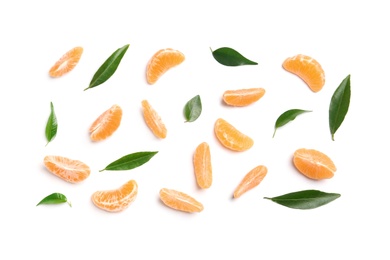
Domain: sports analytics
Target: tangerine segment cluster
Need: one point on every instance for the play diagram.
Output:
(202, 166)
(118, 199)
(180, 201)
(252, 179)
(242, 97)
(231, 137)
(153, 120)
(106, 124)
(308, 69)
(314, 164)
(162, 61)
(66, 63)
(73, 171)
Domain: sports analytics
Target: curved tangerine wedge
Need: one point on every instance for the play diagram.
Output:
(243, 97)
(116, 200)
(252, 179)
(106, 124)
(66, 63)
(161, 62)
(180, 201)
(314, 164)
(231, 137)
(70, 170)
(308, 69)
(153, 120)
(202, 166)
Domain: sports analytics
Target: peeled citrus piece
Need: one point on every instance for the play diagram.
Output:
(106, 124)
(308, 69)
(70, 170)
(231, 137)
(250, 180)
(66, 63)
(243, 97)
(153, 120)
(116, 200)
(202, 166)
(314, 164)
(180, 201)
(161, 62)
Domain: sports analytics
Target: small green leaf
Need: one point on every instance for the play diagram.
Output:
(288, 116)
(230, 57)
(193, 109)
(51, 125)
(129, 161)
(54, 198)
(339, 105)
(108, 68)
(305, 199)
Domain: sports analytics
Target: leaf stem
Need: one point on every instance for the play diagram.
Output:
(274, 133)
(69, 203)
(101, 170)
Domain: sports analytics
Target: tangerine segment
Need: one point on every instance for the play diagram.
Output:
(70, 170)
(153, 120)
(231, 137)
(308, 69)
(161, 62)
(66, 63)
(116, 200)
(202, 166)
(250, 180)
(314, 164)
(106, 124)
(243, 97)
(180, 201)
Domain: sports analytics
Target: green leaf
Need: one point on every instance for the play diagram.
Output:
(54, 198)
(129, 161)
(108, 68)
(306, 199)
(193, 109)
(51, 125)
(339, 105)
(230, 57)
(288, 116)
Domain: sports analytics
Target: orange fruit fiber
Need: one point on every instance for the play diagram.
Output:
(243, 97)
(106, 124)
(313, 164)
(308, 69)
(66, 63)
(252, 179)
(153, 120)
(202, 166)
(69, 170)
(231, 137)
(118, 199)
(162, 61)
(180, 201)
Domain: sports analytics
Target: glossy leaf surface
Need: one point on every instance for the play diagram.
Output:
(230, 57)
(193, 109)
(130, 161)
(287, 117)
(51, 125)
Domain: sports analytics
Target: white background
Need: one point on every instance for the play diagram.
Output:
(350, 37)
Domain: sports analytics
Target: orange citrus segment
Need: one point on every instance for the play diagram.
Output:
(66, 63)
(314, 164)
(308, 69)
(72, 171)
(202, 166)
(106, 124)
(250, 180)
(230, 137)
(161, 62)
(153, 120)
(180, 201)
(243, 97)
(116, 200)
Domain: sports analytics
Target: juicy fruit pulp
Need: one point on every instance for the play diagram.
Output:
(243, 97)
(153, 120)
(106, 124)
(116, 200)
(202, 166)
(250, 180)
(70, 170)
(66, 63)
(180, 201)
(313, 164)
(308, 69)
(230, 137)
